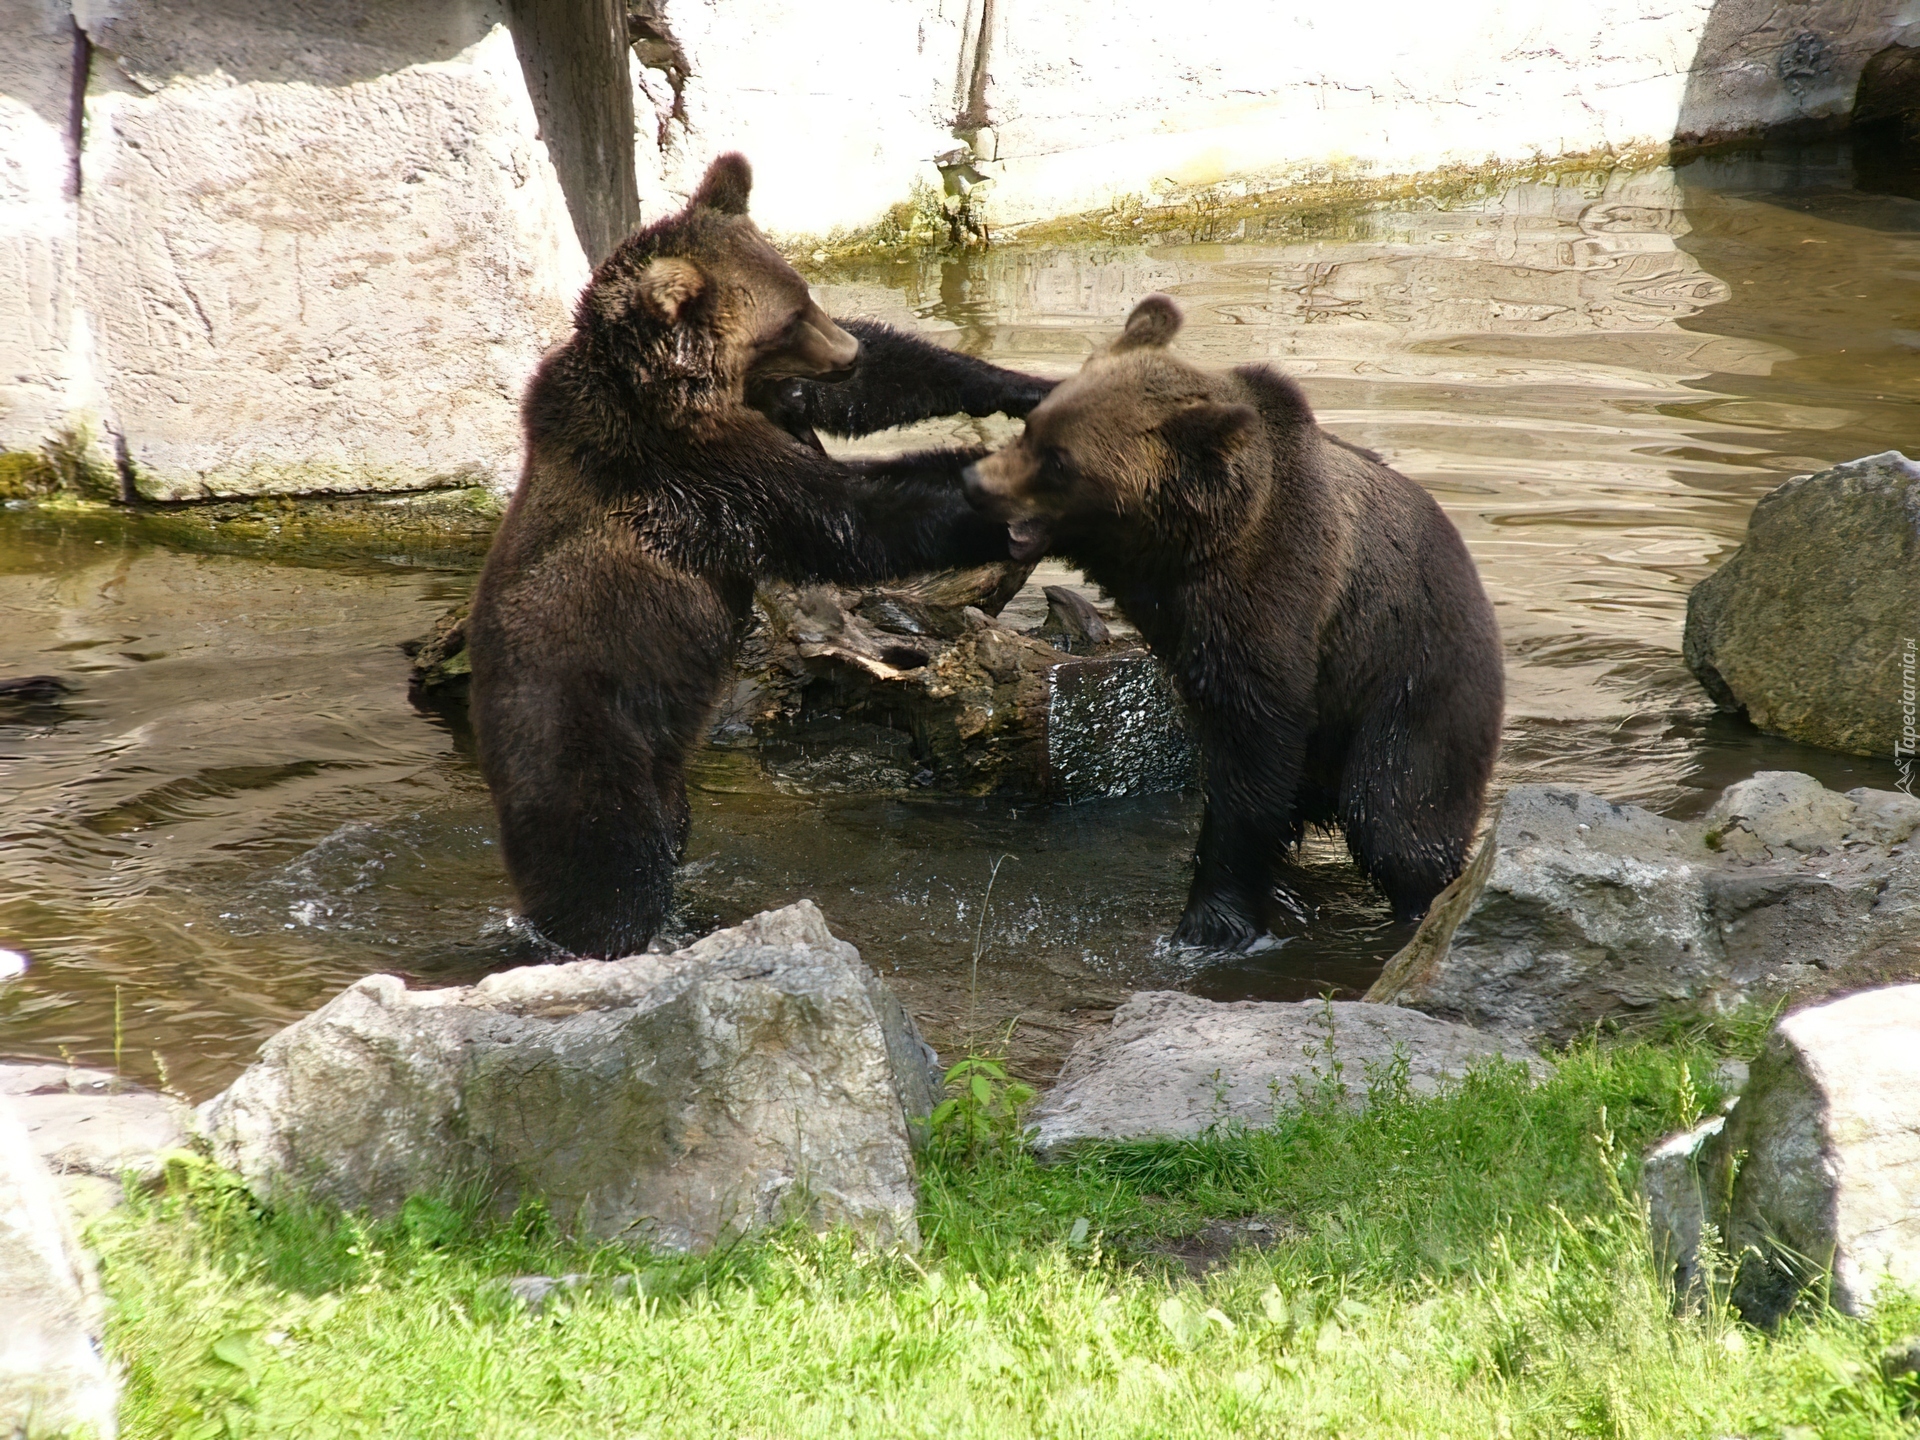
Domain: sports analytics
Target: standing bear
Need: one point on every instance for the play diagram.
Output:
(652, 496)
(1315, 609)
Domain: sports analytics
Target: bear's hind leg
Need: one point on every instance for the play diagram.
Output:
(593, 862)
(1411, 790)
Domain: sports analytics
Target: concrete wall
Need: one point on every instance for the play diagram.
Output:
(315, 245)
(299, 288)
(1073, 103)
(41, 66)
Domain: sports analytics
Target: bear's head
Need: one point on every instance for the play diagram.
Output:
(697, 304)
(1138, 444)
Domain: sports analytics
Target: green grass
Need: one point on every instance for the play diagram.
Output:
(1471, 1266)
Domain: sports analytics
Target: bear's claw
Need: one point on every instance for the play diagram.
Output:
(1210, 927)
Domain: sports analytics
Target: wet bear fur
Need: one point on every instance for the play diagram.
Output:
(1316, 610)
(651, 499)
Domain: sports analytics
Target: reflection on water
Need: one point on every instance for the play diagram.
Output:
(236, 813)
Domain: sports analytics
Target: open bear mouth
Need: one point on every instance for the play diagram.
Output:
(1027, 539)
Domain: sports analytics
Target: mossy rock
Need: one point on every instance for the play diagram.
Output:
(1809, 626)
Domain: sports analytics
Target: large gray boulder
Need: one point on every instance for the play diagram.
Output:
(1177, 1065)
(1815, 1175)
(1576, 910)
(1809, 626)
(54, 1377)
(760, 1074)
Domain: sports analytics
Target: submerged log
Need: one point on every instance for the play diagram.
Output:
(1063, 711)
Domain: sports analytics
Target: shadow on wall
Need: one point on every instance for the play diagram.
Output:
(290, 40)
(1762, 67)
(1886, 124)
(572, 53)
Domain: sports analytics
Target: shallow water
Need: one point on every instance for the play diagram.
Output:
(238, 812)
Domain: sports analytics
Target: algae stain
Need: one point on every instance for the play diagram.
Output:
(68, 464)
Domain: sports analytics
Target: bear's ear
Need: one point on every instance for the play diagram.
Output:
(667, 284)
(1153, 323)
(1209, 430)
(726, 185)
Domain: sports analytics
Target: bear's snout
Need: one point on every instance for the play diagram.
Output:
(831, 351)
(980, 485)
(993, 483)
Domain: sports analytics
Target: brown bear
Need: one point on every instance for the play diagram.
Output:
(1316, 611)
(652, 496)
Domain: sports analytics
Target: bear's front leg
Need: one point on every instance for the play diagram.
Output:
(1233, 869)
(1254, 742)
(898, 379)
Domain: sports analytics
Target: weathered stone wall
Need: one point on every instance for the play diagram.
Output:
(311, 247)
(300, 249)
(40, 66)
(339, 284)
(838, 117)
(1076, 103)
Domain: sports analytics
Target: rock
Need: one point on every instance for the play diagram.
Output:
(1731, 1076)
(1576, 910)
(335, 277)
(54, 1377)
(534, 1292)
(682, 1099)
(1175, 1065)
(1072, 624)
(1815, 1173)
(92, 1129)
(1676, 1179)
(1831, 1178)
(1901, 1359)
(1809, 626)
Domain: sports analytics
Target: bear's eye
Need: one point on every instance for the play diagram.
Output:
(785, 334)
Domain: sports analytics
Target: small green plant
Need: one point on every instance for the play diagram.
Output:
(983, 1108)
(1687, 1108)
(1329, 1085)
